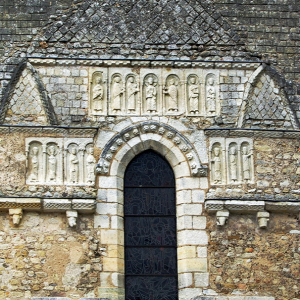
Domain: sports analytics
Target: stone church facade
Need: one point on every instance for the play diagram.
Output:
(98, 94)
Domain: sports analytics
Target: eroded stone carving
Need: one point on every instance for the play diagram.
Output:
(97, 93)
(210, 90)
(237, 164)
(102, 167)
(72, 217)
(16, 215)
(246, 162)
(233, 163)
(150, 87)
(35, 157)
(171, 93)
(216, 162)
(193, 94)
(117, 92)
(154, 91)
(52, 152)
(90, 164)
(46, 161)
(178, 140)
(73, 164)
(132, 91)
(222, 217)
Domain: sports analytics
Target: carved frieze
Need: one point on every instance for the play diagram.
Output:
(231, 160)
(48, 157)
(157, 91)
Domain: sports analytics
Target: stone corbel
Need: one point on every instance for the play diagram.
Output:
(15, 215)
(263, 218)
(72, 217)
(222, 217)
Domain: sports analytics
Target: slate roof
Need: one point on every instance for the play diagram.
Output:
(267, 103)
(139, 23)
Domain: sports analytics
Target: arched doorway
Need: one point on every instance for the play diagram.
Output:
(150, 229)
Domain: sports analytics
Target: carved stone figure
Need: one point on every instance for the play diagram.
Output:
(211, 95)
(52, 162)
(217, 166)
(246, 157)
(116, 94)
(131, 89)
(34, 176)
(98, 95)
(90, 165)
(194, 96)
(151, 95)
(233, 163)
(172, 96)
(73, 165)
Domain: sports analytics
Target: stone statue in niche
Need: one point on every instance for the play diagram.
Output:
(151, 95)
(98, 95)
(193, 94)
(131, 92)
(210, 95)
(90, 165)
(233, 163)
(34, 175)
(246, 160)
(117, 91)
(171, 92)
(73, 165)
(52, 152)
(216, 165)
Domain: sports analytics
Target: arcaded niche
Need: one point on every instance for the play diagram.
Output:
(147, 152)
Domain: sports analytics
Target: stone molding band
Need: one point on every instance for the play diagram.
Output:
(241, 132)
(48, 205)
(251, 65)
(246, 206)
(86, 132)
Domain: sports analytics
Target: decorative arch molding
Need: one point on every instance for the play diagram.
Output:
(46, 103)
(150, 135)
(249, 86)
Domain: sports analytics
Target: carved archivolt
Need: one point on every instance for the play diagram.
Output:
(55, 161)
(121, 91)
(231, 160)
(179, 141)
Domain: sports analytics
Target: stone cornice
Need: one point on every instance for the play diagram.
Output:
(251, 65)
(48, 205)
(251, 206)
(85, 131)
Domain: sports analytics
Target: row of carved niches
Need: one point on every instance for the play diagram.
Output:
(231, 161)
(56, 161)
(126, 91)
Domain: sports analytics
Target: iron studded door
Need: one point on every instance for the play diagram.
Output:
(150, 229)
